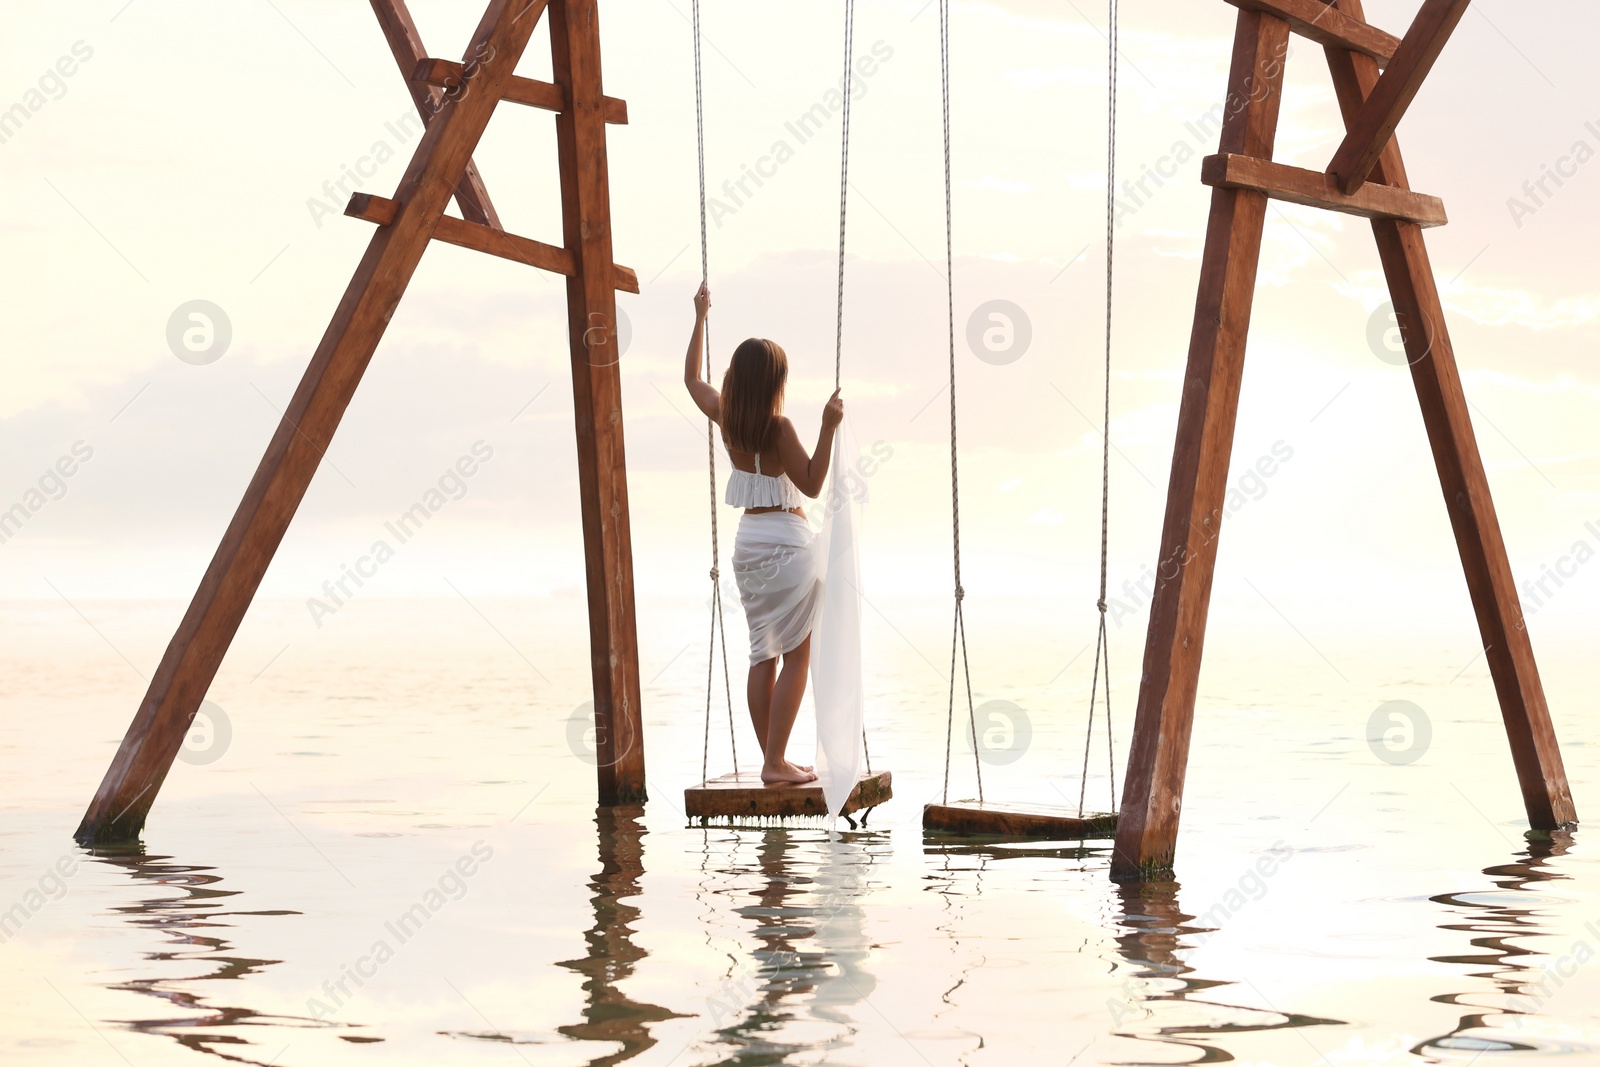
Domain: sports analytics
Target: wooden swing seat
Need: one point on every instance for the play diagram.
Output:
(967, 818)
(743, 796)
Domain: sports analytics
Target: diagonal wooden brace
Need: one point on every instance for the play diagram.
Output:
(118, 810)
(1535, 753)
(1373, 124)
(406, 43)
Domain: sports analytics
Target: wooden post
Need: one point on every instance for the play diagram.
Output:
(1147, 830)
(120, 805)
(1153, 788)
(1507, 648)
(597, 399)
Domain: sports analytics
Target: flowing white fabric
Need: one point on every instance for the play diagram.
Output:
(836, 649)
(775, 566)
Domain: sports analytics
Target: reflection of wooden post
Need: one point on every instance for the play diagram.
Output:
(1147, 825)
(597, 396)
(1372, 104)
(608, 1012)
(441, 168)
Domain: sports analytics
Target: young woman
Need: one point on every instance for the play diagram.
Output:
(774, 561)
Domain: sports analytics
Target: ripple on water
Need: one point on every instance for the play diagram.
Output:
(516, 1037)
(1507, 898)
(1314, 849)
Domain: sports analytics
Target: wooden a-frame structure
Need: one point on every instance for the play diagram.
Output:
(1366, 177)
(456, 101)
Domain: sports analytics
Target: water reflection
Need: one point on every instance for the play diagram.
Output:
(963, 868)
(1502, 920)
(796, 992)
(1157, 1002)
(187, 905)
(609, 1014)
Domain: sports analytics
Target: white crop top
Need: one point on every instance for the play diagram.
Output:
(752, 489)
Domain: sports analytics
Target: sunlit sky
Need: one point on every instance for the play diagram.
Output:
(186, 157)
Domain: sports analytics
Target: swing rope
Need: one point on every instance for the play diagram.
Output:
(844, 188)
(718, 624)
(1102, 647)
(844, 201)
(958, 628)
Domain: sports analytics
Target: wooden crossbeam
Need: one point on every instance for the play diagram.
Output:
(406, 43)
(119, 807)
(1317, 21)
(1316, 189)
(1372, 126)
(543, 95)
(451, 230)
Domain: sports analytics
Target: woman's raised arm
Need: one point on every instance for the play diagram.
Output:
(810, 473)
(706, 397)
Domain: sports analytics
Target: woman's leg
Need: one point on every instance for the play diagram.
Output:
(785, 706)
(758, 693)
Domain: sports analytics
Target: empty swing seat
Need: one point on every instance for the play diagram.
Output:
(966, 818)
(743, 796)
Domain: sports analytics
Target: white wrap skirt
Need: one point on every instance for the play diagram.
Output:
(775, 562)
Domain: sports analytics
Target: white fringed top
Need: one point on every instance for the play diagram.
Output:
(752, 489)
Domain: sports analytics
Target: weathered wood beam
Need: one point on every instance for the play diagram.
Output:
(543, 95)
(1508, 650)
(742, 795)
(118, 810)
(1147, 828)
(597, 399)
(452, 230)
(1372, 127)
(1316, 189)
(406, 43)
(975, 818)
(1317, 21)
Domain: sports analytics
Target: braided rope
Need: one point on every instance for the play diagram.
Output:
(958, 635)
(844, 186)
(1102, 646)
(844, 202)
(718, 622)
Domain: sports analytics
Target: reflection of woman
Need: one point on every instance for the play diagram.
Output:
(774, 557)
(813, 951)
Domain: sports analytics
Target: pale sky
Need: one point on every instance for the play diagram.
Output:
(185, 158)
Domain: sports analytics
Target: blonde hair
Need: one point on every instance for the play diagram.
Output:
(752, 394)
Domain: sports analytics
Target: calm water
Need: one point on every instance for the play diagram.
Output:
(396, 858)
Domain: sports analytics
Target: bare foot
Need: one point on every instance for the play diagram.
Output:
(802, 767)
(787, 774)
